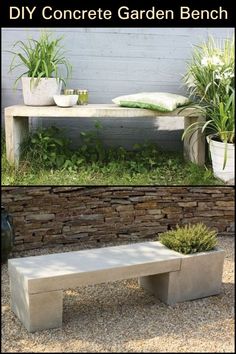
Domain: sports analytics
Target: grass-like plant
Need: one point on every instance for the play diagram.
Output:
(42, 58)
(211, 84)
(220, 118)
(190, 239)
(210, 73)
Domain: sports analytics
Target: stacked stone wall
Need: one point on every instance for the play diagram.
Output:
(46, 216)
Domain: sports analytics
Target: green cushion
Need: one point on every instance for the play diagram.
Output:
(160, 101)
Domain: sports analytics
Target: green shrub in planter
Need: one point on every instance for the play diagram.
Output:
(189, 239)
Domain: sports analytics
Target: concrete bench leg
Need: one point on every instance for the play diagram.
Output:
(194, 145)
(36, 311)
(16, 129)
(199, 276)
(160, 285)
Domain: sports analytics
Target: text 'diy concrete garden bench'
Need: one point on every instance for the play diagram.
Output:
(37, 283)
(17, 124)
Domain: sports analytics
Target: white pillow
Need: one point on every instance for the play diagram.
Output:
(160, 101)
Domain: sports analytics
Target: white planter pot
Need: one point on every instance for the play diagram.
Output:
(42, 93)
(217, 150)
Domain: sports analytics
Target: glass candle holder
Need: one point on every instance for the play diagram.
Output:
(69, 92)
(82, 96)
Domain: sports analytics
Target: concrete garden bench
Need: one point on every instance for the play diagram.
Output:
(37, 283)
(17, 124)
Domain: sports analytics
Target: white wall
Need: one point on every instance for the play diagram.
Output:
(115, 61)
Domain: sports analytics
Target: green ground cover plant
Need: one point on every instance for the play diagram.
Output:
(190, 239)
(47, 158)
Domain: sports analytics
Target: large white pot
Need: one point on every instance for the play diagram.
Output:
(40, 94)
(217, 150)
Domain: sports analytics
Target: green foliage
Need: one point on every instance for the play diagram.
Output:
(211, 82)
(46, 147)
(189, 239)
(40, 58)
(211, 70)
(48, 159)
(92, 149)
(49, 147)
(221, 117)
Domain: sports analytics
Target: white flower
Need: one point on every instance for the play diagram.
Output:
(228, 75)
(224, 75)
(205, 61)
(218, 76)
(212, 61)
(216, 61)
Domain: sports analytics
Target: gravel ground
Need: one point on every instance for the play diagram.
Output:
(121, 317)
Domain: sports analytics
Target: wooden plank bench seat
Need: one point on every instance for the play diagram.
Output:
(37, 283)
(17, 124)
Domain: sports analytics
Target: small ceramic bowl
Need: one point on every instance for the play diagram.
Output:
(65, 100)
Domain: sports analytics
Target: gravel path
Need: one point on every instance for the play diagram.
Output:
(121, 317)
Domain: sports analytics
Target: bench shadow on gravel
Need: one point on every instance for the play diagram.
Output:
(122, 307)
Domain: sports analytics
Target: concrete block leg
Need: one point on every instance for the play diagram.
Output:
(200, 276)
(194, 144)
(159, 285)
(16, 129)
(36, 311)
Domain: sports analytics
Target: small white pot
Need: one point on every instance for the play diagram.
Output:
(217, 150)
(40, 94)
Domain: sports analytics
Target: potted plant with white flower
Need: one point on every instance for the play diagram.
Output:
(210, 80)
(43, 61)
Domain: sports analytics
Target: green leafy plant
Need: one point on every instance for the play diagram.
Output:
(42, 58)
(190, 239)
(92, 148)
(48, 158)
(47, 147)
(211, 83)
(210, 73)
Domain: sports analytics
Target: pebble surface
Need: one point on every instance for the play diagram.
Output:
(121, 317)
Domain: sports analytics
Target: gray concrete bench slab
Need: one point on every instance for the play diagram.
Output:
(17, 124)
(37, 283)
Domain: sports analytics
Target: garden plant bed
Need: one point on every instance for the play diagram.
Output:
(123, 317)
(145, 166)
(17, 124)
(172, 170)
